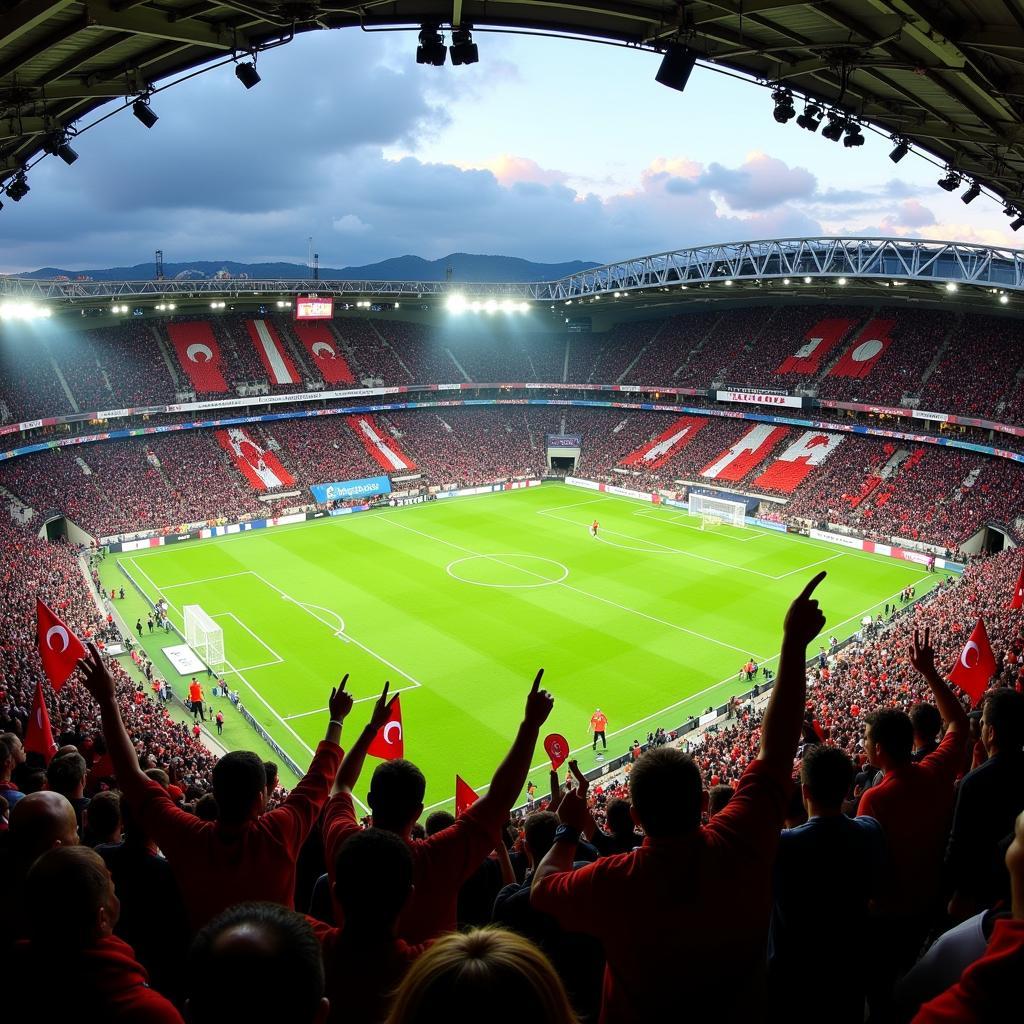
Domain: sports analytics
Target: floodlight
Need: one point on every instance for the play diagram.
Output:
(901, 149)
(456, 303)
(810, 118)
(463, 50)
(247, 74)
(18, 187)
(854, 136)
(950, 182)
(971, 194)
(144, 112)
(833, 131)
(1015, 225)
(431, 49)
(784, 109)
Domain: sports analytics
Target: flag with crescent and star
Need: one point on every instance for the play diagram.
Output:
(1017, 601)
(38, 734)
(389, 743)
(59, 649)
(976, 665)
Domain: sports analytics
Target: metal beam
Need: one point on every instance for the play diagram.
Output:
(156, 24)
(26, 16)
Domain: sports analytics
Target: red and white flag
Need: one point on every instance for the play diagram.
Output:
(976, 665)
(276, 361)
(59, 649)
(1017, 601)
(793, 466)
(261, 467)
(38, 734)
(666, 445)
(465, 796)
(323, 349)
(740, 458)
(389, 743)
(383, 449)
(818, 342)
(865, 351)
(199, 354)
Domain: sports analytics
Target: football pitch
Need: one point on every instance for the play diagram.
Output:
(459, 602)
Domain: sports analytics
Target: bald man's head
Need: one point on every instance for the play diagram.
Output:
(40, 822)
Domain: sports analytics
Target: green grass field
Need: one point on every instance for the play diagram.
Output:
(458, 603)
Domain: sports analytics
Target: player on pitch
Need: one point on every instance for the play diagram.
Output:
(598, 725)
(594, 527)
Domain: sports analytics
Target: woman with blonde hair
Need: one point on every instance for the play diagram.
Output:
(489, 972)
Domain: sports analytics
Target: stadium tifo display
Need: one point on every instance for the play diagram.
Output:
(476, 590)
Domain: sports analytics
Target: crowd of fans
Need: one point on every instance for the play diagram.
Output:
(146, 881)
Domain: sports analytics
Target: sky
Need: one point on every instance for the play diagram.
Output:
(547, 149)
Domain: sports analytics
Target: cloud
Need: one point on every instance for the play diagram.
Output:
(911, 214)
(350, 224)
(507, 169)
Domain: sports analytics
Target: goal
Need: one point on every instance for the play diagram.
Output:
(203, 635)
(716, 511)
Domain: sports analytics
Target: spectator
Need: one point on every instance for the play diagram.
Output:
(444, 861)
(73, 964)
(245, 853)
(101, 822)
(463, 973)
(622, 836)
(718, 798)
(65, 774)
(9, 747)
(712, 881)
(927, 723)
(987, 803)
(826, 873)
(259, 963)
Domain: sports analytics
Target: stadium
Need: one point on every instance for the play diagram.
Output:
(751, 511)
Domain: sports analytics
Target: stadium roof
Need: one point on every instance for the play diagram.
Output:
(947, 75)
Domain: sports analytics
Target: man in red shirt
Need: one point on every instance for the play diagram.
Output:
(446, 859)
(712, 882)
(598, 726)
(245, 854)
(914, 804)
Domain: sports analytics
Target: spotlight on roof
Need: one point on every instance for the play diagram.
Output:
(58, 146)
(951, 286)
(18, 188)
(971, 194)
(676, 66)
(810, 118)
(1004, 299)
(1009, 210)
(841, 280)
(900, 150)
(144, 112)
(784, 110)
(463, 49)
(950, 181)
(854, 136)
(456, 303)
(247, 74)
(833, 131)
(431, 49)
(807, 280)
(1015, 225)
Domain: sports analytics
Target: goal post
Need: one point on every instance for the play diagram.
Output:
(203, 635)
(717, 511)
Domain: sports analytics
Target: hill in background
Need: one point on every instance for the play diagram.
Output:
(465, 267)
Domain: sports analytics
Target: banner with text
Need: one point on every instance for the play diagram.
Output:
(760, 398)
(349, 490)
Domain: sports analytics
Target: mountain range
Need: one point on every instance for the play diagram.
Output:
(465, 267)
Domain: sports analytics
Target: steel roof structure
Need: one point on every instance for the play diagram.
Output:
(905, 269)
(946, 75)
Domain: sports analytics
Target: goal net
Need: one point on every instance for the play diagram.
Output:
(716, 511)
(203, 635)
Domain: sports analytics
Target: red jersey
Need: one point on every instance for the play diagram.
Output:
(219, 865)
(598, 722)
(714, 884)
(195, 692)
(440, 864)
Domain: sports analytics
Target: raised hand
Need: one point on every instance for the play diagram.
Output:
(96, 677)
(381, 709)
(539, 703)
(340, 702)
(556, 791)
(922, 657)
(582, 782)
(804, 620)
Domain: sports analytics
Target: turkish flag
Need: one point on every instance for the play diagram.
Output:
(389, 743)
(465, 796)
(38, 735)
(976, 665)
(59, 649)
(1017, 601)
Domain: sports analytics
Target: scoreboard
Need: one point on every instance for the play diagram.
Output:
(314, 307)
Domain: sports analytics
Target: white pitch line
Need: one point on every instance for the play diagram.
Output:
(576, 590)
(255, 636)
(208, 579)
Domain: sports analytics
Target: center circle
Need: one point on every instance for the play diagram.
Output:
(507, 571)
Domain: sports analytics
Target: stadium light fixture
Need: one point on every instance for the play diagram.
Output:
(456, 303)
(431, 49)
(807, 280)
(841, 281)
(785, 280)
(950, 182)
(144, 112)
(1016, 225)
(901, 149)
(17, 187)
(57, 145)
(810, 118)
(951, 286)
(1004, 299)
(23, 311)
(784, 110)
(971, 194)
(463, 50)
(833, 131)
(854, 136)
(247, 74)
(676, 65)
(1009, 210)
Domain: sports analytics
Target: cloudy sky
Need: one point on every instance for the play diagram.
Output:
(547, 149)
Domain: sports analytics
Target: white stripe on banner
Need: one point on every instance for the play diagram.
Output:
(749, 442)
(381, 445)
(261, 469)
(277, 365)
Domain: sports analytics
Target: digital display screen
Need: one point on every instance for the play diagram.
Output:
(313, 307)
